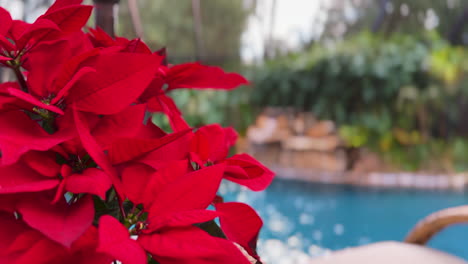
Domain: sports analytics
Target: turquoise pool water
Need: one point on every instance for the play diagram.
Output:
(312, 218)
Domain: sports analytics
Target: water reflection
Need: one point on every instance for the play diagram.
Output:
(302, 220)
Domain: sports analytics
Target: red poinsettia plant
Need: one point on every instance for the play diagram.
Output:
(86, 177)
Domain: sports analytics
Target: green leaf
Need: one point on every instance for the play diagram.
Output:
(212, 228)
(152, 261)
(105, 208)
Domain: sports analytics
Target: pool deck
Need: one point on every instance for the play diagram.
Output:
(330, 169)
(404, 180)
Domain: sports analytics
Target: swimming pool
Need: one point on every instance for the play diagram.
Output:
(303, 219)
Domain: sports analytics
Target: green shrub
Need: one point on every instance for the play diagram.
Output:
(395, 95)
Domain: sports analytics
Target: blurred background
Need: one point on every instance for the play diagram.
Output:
(360, 106)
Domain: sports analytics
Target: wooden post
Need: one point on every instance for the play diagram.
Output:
(105, 15)
(197, 27)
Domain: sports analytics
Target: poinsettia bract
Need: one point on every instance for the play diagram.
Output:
(86, 178)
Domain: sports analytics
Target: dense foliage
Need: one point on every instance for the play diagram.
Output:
(383, 92)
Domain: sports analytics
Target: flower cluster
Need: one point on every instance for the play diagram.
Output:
(86, 177)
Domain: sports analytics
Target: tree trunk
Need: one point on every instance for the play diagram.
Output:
(455, 34)
(381, 16)
(105, 15)
(269, 46)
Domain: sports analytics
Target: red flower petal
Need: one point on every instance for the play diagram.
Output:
(10, 229)
(154, 88)
(37, 31)
(165, 104)
(76, 77)
(37, 171)
(230, 136)
(88, 239)
(17, 29)
(21, 244)
(34, 101)
(6, 44)
(84, 249)
(8, 102)
(114, 87)
(40, 78)
(95, 151)
(247, 171)
(182, 218)
(70, 18)
(195, 190)
(6, 21)
(62, 3)
(8, 202)
(40, 251)
(114, 240)
(20, 134)
(68, 73)
(19, 178)
(91, 180)
(126, 149)
(194, 75)
(42, 162)
(167, 174)
(150, 131)
(123, 124)
(210, 143)
(4, 59)
(60, 222)
(137, 46)
(175, 150)
(100, 38)
(190, 245)
(135, 179)
(241, 224)
(141, 182)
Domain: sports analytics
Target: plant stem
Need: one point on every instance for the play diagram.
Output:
(21, 80)
(139, 214)
(122, 210)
